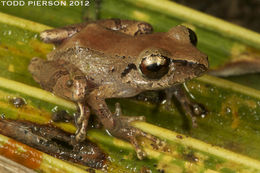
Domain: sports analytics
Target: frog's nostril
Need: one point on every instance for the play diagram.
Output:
(200, 70)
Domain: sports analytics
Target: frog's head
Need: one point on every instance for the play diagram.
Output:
(175, 61)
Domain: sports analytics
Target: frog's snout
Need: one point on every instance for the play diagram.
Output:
(201, 66)
(206, 62)
(201, 69)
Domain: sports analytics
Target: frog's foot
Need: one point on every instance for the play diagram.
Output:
(118, 113)
(82, 122)
(193, 110)
(124, 130)
(190, 107)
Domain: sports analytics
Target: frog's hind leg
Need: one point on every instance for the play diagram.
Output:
(129, 27)
(67, 81)
(57, 35)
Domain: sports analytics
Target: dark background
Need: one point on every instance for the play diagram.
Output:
(245, 13)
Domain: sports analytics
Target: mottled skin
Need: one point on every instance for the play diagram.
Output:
(118, 58)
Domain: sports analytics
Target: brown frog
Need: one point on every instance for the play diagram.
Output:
(114, 59)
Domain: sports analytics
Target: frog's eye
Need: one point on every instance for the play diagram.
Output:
(193, 37)
(154, 66)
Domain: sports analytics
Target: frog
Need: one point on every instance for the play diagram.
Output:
(114, 58)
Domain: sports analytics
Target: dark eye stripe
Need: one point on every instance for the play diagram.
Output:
(128, 69)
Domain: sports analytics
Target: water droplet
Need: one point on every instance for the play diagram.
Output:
(164, 101)
(228, 110)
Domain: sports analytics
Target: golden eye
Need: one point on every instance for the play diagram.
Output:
(154, 66)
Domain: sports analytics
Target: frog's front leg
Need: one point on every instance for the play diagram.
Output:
(117, 125)
(190, 107)
(129, 27)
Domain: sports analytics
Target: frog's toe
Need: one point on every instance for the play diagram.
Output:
(131, 134)
(80, 137)
(187, 103)
(79, 119)
(118, 113)
(139, 152)
(136, 133)
(118, 110)
(154, 139)
(132, 119)
(194, 121)
(195, 110)
(82, 122)
(198, 110)
(81, 132)
(126, 131)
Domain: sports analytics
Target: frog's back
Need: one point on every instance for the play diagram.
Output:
(98, 67)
